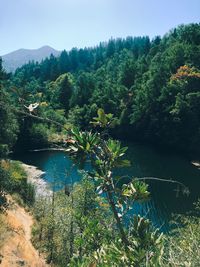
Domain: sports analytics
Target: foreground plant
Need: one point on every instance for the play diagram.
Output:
(182, 247)
(59, 238)
(105, 155)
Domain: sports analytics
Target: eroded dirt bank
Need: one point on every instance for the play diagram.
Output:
(18, 249)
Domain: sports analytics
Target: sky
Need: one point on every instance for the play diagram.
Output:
(64, 24)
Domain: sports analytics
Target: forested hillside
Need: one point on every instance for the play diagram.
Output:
(151, 86)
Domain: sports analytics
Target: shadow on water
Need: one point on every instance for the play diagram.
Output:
(166, 198)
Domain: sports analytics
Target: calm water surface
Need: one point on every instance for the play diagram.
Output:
(166, 198)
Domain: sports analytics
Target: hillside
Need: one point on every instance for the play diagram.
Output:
(150, 85)
(18, 249)
(20, 57)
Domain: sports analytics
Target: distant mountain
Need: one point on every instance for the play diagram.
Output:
(20, 57)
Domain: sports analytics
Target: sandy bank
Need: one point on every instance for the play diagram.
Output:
(34, 176)
(17, 249)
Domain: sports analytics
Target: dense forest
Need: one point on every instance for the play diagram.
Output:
(135, 88)
(151, 86)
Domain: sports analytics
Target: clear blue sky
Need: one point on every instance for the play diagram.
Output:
(64, 24)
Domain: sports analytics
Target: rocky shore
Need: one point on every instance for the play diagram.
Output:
(34, 176)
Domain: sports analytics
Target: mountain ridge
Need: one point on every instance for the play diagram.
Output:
(17, 58)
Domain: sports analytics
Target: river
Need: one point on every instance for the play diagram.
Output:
(166, 198)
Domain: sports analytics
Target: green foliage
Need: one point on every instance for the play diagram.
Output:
(132, 78)
(82, 144)
(103, 120)
(182, 246)
(105, 156)
(38, 135)
(146, 90)
(71, 226)
(8, 122)
(182, 96)
(145, 249)
(65, 87)
(75, 227)
(14, 180)
(75, 116)
(135, 190)
(114, 152)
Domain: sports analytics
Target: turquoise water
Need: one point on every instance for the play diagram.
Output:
(166, 198)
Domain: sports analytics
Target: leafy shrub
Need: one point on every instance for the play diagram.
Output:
(182, 248)
(38, 135)
(14, 180)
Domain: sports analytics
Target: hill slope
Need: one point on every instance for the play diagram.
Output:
(18, 249)
(20, 57)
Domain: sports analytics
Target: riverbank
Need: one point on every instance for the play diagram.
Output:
(34, 176)
(146, 162)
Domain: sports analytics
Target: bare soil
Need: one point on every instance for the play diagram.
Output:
(17, 249)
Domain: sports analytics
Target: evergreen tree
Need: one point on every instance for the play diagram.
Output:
(8, 122)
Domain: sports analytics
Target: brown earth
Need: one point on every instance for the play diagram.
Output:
(17, 248)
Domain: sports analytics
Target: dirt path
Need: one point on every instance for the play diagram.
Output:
(18, 249)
